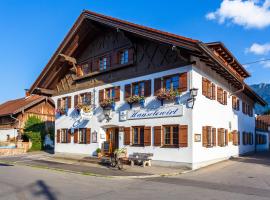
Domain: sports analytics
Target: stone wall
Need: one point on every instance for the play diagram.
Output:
(22, 147)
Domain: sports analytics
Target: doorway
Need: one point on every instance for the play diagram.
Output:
(112, 137)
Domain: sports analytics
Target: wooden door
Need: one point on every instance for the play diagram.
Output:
(112, 137)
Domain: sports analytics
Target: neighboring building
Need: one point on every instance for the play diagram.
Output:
(262, 133)
(104, 62)
(14, 114)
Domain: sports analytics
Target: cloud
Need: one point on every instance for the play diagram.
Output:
(259, 49)
(265, 64)
(246, 13)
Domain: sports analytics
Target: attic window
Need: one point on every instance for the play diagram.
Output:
(103, 62)
(85, 68)
(124, 57)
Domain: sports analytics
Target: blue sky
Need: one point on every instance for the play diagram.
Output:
(32, 30)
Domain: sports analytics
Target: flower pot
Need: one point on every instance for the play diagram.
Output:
(142, 103)
(113, 106)
(99, 155)
(177, 99)
(130, 105)
(161, 102)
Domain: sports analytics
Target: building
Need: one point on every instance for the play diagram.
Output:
(14, 114)
(117, 84)
(262, 133)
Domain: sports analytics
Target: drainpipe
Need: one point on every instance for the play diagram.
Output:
(238, 91)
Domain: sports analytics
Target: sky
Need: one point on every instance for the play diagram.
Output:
(32, 30)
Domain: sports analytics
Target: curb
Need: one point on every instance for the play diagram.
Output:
(97, 175)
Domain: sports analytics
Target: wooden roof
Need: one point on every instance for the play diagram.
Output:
(264, 118)
(16, 106)
(86, 22)
(228, 58)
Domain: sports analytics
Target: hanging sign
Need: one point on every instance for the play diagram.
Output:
(170, 111)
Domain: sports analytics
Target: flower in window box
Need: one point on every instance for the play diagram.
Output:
(86, 108)
(135, 99)
(107, 103)
(171, 94)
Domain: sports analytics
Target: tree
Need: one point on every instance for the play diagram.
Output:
(34, 130)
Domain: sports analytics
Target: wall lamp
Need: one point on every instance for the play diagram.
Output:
(107, 114)
(193, 92)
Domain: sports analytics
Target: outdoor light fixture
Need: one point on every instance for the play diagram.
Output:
(191, 100)
(107, 114)
(193, 92)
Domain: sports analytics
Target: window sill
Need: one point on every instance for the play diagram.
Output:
(137, 145)
(170, 146)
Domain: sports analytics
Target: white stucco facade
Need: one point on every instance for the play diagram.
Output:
(263, 146)
(205, 112)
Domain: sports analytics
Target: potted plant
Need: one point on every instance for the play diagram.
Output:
(86, 108)
(171, 94)
(136, 99)
(107, 103)
(98, 151)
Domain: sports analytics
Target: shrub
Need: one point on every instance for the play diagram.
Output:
(34, 130)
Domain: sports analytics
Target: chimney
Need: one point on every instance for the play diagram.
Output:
(27, 93)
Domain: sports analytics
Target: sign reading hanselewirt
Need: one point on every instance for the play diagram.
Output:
(170, 111)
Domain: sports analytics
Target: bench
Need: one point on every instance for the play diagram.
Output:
(141, 158)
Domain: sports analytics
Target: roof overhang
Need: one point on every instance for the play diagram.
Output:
(229, 58)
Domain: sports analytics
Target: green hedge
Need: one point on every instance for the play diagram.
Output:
(34, 130)
(36, 140)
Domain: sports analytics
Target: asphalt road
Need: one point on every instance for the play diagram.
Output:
(247, 178)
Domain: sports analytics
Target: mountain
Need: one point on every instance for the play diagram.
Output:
(262, 89)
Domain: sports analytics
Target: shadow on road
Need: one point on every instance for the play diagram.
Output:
(262, 158)
(39, 189)
(42, 189)
(213, 186)
(5, 165)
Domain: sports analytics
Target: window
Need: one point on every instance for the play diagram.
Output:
(171, 135)
(103, 62)
(110, 93)
(261, 139)
(209, 136)
(64, 136)
(124, 57)
(85, 98)
(235, 103)
(82, 136)
(138, 136)
(85, 68)
(208, 89)
(222, 96)
(247, 109)
(138, 89)
(171, 83)
(64, 102)
(222, 137)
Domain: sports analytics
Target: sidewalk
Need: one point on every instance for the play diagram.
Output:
(87, 166)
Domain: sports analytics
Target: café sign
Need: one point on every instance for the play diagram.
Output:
(170, 111)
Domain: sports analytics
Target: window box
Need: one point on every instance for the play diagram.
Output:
(136, 99)
(107, 104)
(171, 94)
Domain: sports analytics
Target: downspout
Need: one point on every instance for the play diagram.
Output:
(238, 91)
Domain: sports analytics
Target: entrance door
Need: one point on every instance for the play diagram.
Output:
(112, 136)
